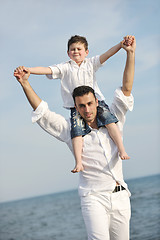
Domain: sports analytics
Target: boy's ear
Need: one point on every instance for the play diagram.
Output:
(87, 51)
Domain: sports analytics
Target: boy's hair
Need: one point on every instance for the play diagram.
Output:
(81, 91)
(76, 39)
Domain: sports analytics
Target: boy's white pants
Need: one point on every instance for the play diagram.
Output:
(107, 216)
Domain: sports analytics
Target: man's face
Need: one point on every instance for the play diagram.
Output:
(86, 105)
(77, 52)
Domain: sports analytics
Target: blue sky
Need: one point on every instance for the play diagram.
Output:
(35, 33)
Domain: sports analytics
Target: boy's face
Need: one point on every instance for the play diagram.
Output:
(86, 105)
(77, 52)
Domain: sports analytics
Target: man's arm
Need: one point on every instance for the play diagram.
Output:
(22, 75)
(53, 123)
(110, 53)
(128, 75)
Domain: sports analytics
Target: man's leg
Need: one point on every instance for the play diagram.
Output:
(120, 216)
(96, 216)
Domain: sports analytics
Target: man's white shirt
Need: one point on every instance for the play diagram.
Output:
(100, 157)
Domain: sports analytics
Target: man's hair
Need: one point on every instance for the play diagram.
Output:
(76, 39)
(81, 91)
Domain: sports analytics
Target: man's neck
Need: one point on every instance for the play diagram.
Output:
(93, 124)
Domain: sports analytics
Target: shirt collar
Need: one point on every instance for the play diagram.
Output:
(74, 63)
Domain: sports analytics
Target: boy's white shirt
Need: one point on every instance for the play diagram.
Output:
(100, 158)
(72, 76)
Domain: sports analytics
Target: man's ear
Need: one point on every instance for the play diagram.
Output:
(75, 107)
(97, 102)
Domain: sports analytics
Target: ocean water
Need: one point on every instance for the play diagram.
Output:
(58, 216)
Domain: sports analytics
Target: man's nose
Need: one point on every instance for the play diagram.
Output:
(86, 108)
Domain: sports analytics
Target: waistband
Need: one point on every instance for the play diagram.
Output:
(118, 188)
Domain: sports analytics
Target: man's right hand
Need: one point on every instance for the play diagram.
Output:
(22, 74)
(129, 43)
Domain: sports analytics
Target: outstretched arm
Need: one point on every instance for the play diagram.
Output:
(22, 75)
(40, 70)
(110, 53)
(53, 123)
(128, 75)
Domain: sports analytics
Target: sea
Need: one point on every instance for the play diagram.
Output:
(58, 216)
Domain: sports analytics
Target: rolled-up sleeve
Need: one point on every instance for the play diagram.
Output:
(39, 112)
(96, 62)
(53, 123)
(121, 104)
(56, 72)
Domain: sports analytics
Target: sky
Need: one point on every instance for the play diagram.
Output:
(35, 33)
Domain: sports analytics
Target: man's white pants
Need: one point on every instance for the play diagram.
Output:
(107, 216)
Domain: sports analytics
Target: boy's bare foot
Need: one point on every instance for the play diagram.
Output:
(124, 156)
(77, 168)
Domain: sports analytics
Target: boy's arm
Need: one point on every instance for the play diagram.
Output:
(40, 70)
(110, 53)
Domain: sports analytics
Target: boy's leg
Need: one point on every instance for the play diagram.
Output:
(116, 137)
(78, 129)
(77, 148)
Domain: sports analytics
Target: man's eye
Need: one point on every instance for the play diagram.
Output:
(81, 106)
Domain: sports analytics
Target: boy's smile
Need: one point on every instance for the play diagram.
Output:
(77, 52)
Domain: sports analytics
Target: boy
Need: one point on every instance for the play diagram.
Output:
(78, 71)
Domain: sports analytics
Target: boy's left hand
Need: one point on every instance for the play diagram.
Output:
(128, 40)
(129, 43)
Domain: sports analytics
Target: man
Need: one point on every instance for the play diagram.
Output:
(104, 194)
